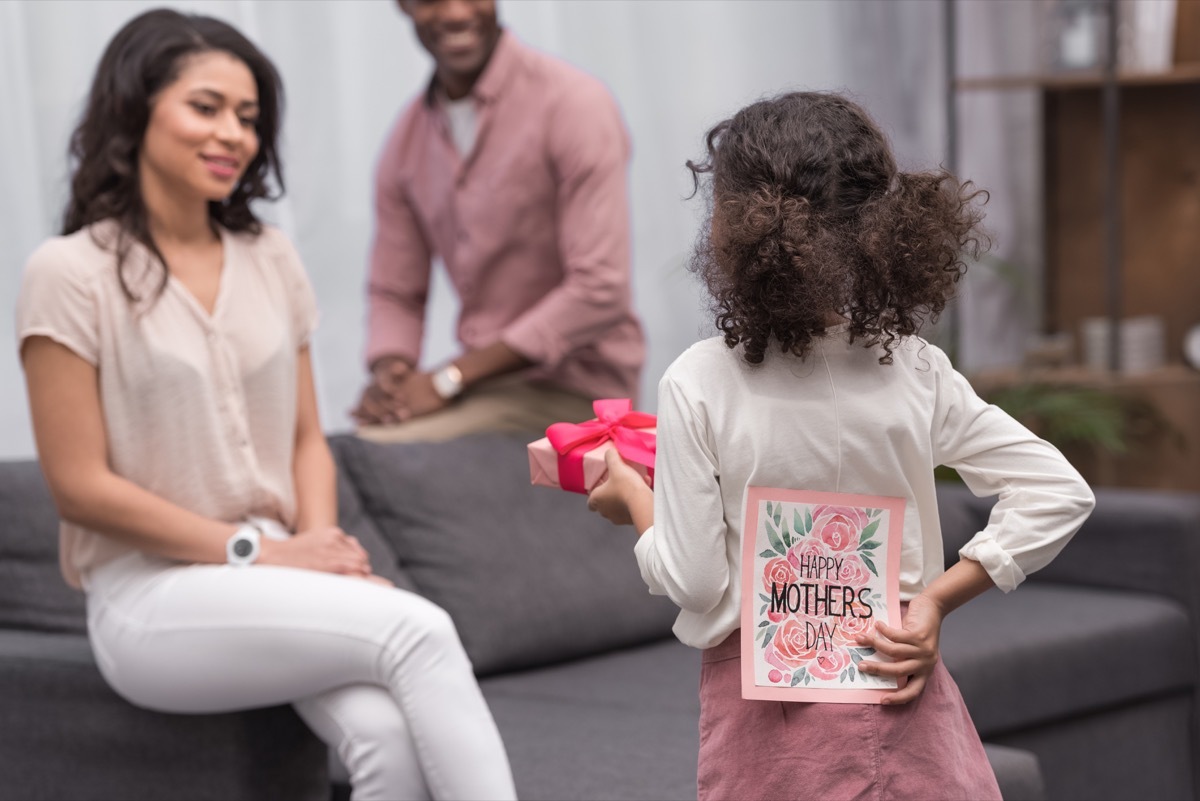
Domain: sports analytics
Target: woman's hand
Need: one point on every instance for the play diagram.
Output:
(624, 498)
(914, 648)
(325, 548)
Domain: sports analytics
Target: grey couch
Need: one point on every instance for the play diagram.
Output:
(1083, 683)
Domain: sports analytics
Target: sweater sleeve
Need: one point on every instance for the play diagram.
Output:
(683, 555)
(1042, 500)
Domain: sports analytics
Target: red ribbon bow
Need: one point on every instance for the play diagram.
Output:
(615, 422)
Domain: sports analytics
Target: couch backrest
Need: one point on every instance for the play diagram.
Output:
(962, 516)
(529, 575)
(33, 594)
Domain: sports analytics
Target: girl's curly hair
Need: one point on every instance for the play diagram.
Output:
(810, 216)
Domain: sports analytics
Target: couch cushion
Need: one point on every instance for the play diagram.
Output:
(33, 594)
(1048, 652)
(528, 574)
(624, 725)
(354, 521)
(65, 734)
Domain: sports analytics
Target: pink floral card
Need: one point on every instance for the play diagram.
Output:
(818, 569)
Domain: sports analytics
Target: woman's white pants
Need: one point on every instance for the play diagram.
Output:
(378, 673)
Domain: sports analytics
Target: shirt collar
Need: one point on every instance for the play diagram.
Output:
(495, 76)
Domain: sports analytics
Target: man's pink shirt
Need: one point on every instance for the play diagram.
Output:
(532, 225)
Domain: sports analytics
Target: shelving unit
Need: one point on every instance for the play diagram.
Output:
(1121, 181)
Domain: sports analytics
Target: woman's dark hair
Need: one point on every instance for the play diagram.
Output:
(809, 215)
(145, 57)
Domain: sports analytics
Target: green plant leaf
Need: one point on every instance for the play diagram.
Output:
(764, 598)
(869, 546)
(870, 565)
(770, 507)
(768, 554)
(808, 521)
(770, 632)
(778, 513)
(764, 624)
(798, 524)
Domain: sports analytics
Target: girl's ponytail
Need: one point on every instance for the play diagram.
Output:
(911, 242)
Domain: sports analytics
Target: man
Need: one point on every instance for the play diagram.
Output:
(511, 167)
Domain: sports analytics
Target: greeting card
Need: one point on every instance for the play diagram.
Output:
(818, 569)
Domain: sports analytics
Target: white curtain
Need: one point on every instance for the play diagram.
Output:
(675, 66)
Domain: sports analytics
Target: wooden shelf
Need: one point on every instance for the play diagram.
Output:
(1089, 79)
(1164, 456)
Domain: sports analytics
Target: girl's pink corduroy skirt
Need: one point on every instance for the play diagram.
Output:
(927, 749)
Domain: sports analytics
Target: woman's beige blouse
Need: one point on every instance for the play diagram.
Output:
(199, 409)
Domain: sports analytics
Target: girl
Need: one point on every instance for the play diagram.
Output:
(823, 260)
(165, 342)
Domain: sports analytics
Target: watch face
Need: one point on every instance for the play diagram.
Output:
(243, 548)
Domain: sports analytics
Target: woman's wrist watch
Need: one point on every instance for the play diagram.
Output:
(448, 382)
(244, 546)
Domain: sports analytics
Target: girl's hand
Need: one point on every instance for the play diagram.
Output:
(913, 647)
(617, 496)
(326, 548)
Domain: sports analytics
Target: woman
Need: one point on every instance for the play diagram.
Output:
(165, 341)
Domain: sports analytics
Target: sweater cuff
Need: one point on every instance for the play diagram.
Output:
(995, 560)
(643, 549)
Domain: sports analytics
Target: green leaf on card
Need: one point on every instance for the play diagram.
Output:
(868, 531)
(869, 545)
(764, 624)
(770, 632)
(769, 508)
(768, 554)
(870, 565)
(798, 524)
(808, 521)
(773, 538)
(778, 513)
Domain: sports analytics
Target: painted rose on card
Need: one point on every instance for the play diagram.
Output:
(839, 526)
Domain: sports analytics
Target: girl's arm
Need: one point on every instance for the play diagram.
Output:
(914, 648)
(72, 444)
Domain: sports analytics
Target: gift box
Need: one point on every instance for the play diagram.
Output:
(571, 455)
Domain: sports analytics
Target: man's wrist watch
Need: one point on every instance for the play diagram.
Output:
(243, 547)
(448, 382)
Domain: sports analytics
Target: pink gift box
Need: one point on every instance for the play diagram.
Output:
(571, 456)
